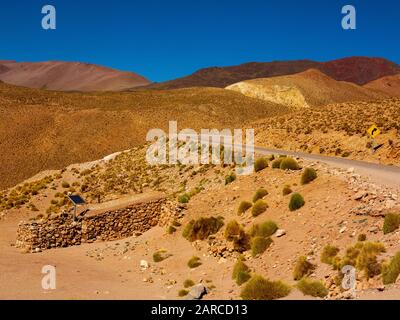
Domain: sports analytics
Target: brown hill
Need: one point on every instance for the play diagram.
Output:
(389, 85)
(359, 70)
(68, 76)
(50, 129)
(306, 89)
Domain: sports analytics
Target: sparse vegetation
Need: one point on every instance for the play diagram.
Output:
(362, 237)
(260, 164)
(260, 194)
(232, 230)
(244, 206)
(309, 174)
(296, 202)
(312, 288)
(184, 198)
(259, 207)
(276, 164)
(391, 223)
(303, 268)
(194, 262)
(202, 228)
(258, 288)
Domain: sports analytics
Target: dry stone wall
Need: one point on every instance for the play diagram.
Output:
(101, 225)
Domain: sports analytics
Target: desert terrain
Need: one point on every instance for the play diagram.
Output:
(283, 232)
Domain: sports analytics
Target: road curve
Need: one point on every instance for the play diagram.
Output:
(378, 173)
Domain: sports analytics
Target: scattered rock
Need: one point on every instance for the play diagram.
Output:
(144, 264)
(197, 292)
(280, 233)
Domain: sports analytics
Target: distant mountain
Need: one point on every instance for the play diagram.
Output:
(359, 70)
(389, 85)
(68, 76)
(310, 88)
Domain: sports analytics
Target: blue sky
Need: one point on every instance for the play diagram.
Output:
(166, 39)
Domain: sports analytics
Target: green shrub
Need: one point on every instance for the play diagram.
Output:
(391, 223)
(367, 261)
(309, 174)
(244, 206)
(289, 164)
(202, 228)
(184, 198)
(230, 178)
(241, 272)
(265, 229)
(194, 262)
(391, 270)
(303, 268)
(328, 254)
(260, 164)
(296, 202)
(259, 207)
(276, 164)
(188, 283)
(312, 288)
(258, 288)
(183, 293)
(286, 190)
(260, 193)
(232, 230)
(259, 245)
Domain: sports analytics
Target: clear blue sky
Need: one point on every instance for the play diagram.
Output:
(165, 39)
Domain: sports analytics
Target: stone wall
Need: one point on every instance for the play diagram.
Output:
(107, 224)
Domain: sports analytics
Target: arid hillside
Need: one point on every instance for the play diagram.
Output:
(359, 70)
(68, 76)
(50, 130)
(337, 130)
(306, 89)
(389, 85)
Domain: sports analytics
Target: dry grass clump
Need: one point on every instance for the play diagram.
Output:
(183, 293)
(259, 207)
(260, 194)
(194, 262)
(260, 164)
(258, 288)
(286, 190)
(309, 174)
(188, 283)
(160, 255)
(296, 202)
(230, 178)
(312, 288)
(265, 229)
(276, 164)
(303, 268)
(234, 232)
(244, 206)
(329, 253)
(202, 228)
(241, 272)
(391, 223)
(391, 270)
(259, 245)
(289, 164)
(362, 237)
